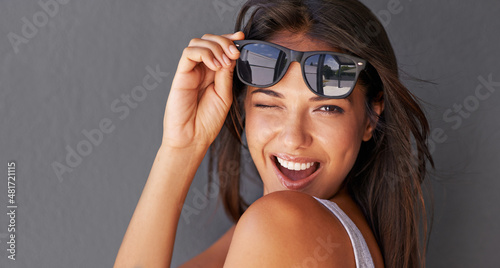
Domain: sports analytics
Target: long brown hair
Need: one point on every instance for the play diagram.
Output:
(386, 180)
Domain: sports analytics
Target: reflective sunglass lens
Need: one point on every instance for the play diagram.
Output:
(261, 64)
(330, 75)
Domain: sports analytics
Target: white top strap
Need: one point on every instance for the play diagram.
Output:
(361, 252)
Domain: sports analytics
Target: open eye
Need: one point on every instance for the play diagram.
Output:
(331, 109)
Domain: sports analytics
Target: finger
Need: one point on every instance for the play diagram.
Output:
(225, 43)
(192, 56)
(235, 36)
(215, 47)
(223, 84)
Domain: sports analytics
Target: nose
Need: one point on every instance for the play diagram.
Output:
(296, 126)
(295, 132)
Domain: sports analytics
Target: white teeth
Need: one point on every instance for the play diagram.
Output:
(293, 165)
(297, 166)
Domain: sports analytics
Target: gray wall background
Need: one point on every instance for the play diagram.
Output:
(86, 54)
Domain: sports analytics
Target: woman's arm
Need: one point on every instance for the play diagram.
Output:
(150, 236)
(197, 106)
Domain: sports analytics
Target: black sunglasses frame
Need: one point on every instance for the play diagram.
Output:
(301, 57)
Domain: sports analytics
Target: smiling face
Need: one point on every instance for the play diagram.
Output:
(300, 141)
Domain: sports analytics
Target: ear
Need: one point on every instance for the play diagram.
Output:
(378, 108)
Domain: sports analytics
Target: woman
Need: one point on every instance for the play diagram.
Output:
(329, 126)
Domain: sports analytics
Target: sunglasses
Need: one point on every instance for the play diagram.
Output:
(327, 74)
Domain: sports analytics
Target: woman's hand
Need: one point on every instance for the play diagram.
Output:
(201, 92)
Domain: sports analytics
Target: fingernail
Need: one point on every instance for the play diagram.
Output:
(217, 63)
(233, 49)
(226, 59)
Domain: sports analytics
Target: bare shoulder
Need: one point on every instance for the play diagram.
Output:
(289, 229)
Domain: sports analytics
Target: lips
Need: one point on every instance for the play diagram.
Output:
(295, 173)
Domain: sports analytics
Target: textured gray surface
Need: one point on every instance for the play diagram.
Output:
(65, 78)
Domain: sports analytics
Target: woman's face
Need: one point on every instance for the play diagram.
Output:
(299, 141)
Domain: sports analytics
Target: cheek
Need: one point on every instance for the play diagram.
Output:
(340, 133)
(259, 131)
(340, 139)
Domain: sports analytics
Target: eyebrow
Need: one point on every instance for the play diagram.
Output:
(269, 92)
(319, 98)
(275, 94)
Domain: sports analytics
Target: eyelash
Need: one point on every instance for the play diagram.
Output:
(335, 109)
(264, 106)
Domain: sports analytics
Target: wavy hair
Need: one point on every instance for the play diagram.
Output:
(387, 178)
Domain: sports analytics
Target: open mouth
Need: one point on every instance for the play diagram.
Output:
(295, 175)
